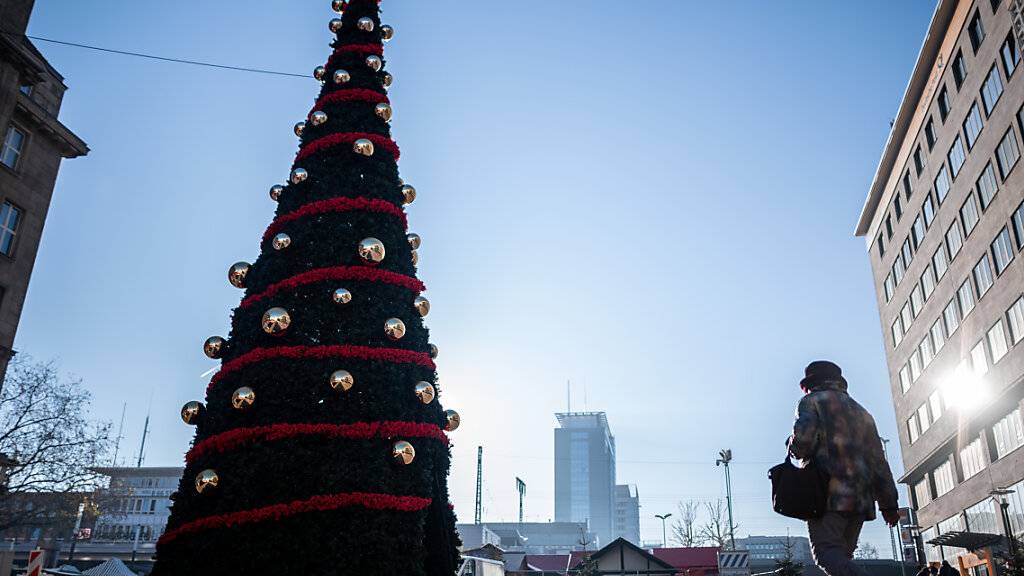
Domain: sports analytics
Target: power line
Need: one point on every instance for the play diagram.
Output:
(160, 58)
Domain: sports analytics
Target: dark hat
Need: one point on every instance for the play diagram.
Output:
(820, 372)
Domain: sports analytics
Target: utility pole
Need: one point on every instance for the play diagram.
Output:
(892, 533)
(478, 513)
(142, 448)
(724, 458)
(664, 533)
(521, 487)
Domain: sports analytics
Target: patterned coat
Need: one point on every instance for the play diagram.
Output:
(841, 437)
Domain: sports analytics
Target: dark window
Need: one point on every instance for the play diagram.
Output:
(898, 207)
(917, 232)
(973, 125)
(1007, 153)
(907, 188)
(929, 133)
(10, 219)
(942, 184)
(1010, 55)
(987, 186)
(991, 90)
(908, 253)
(918, 162)
(944, 103)
(888, 226)
(959, 69)
(976, 30)
(928, 209)
(13, 147)
(1018, 226)
(956, 156)
(881, 245)
(26, 89)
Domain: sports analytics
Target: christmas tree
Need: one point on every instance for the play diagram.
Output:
(322, 446)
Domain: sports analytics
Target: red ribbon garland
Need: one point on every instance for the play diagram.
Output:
(314, 504)
(392, 355)
(350, 95)
(347, 138)
(233, 439)
(361, 49)
(336, 205)
(336, 273)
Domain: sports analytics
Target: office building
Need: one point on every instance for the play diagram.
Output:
(585, 472)
(139, 502)
(944, 228)
(627, 513)
(32, 144)
(773, 548)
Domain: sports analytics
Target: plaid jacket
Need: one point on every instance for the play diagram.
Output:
(841, 437)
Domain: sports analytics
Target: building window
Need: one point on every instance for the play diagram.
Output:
(935, 403)
(969, 214)
(913, 431)
(991, 90)
(927, 354)
(917, 300)
(917, 232)
(956, 156)
(1008, 433)
(965, 297)
(1009, 54)
(928, 209)
(1002, 251)
(888, 226)
(905, 378)
(983, 276)
(954, 239)
(908, 252)
(898, 269)
(944, 103)
(940, 262)
(922, 493)
(10, 219)
(922, 418)
(26, 89)
(907, 189)
(14, 145)
(918, 161)
(915, 366)
(979, 360)
(1018, 226)
(942, 184)
(987, 186)
(976, 30)
(927, 282)
(972, 459)
(897, 206)
(951, 317)
(907, 317)
(938, 338)
(890, 287)
(881, 246)
(997, 342)
(929, 133)
(944, 480)
(959, 69)
(1015, 319)
(1007, 153)
(973, 125)
(981, 518)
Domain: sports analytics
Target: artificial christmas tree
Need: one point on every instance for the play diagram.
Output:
(322, 447)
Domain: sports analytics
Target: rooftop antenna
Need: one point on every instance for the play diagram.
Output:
(478, 512)
(145, 432)
(120, 435)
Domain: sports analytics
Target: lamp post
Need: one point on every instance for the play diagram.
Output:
(664, 533)
(724, 458)
(74, 532)
(1000, 497)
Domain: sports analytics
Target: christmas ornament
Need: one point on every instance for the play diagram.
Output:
(408, 194)
(425, 392)
(275, 192)
(342, 380)
(299, 176)
(371, 251)
(342, 296)
(387, 32)
(281, 241)
(319, 72)
(414, 241)
(363, 146)
(403, 453)
(394, 328)
(383, 111)
(388, 79)
(365, 24)
(335, 25)
(276, 320)
(415, 258)
(453, 420)
(237, 274)
(433, 352)
(342, 77)
(374, 62)
(422, 305)
(243, 398)
(338, 6)
(206, 480)
(214, 347)
(191, 412)
(318, 118)
(299, 128)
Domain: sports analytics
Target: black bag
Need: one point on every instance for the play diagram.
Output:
(800, 493)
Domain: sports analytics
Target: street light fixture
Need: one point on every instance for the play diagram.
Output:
(724, 458)
(664, 533)
(1000, 495)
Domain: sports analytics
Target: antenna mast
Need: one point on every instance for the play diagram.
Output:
(479, 511)
(120, 435)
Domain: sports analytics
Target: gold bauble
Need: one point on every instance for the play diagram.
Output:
(422, 305)
(281, 241)
(387, 32)
(319, 72)
(363, 146)
(338, 5)
(342, 77)
(298, 176)
(334, 25)
(214, 347)
(276, 320)
(403, 453)
(365, 24)
(318, 118)
(243, 398)
(383, 110)
(374, 62)
(342, 380)
(275, 192)
(342, 296)
(191, 412)
(408, 194)
(237, 274)
(433, 352)
(452, 420)
(425, 392)
(388, 79)
(300, 127)
(414, 240)
(415, 258)
(372, 251)
(394, 328)
(207, 480)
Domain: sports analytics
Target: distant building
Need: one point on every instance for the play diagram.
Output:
(530, 537)
(774, 547)
(624, 557)
(585, 472)
(32, 144)
(627, 513)
(139, 505)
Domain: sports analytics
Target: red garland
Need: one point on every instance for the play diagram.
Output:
(233, 439)
(350, 95)
(347, 138)
(336, 273)
(392, 355)
(336, 205)
(361, 49)
(314, 504)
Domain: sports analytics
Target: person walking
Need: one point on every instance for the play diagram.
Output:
(840, 437)
(947, 569)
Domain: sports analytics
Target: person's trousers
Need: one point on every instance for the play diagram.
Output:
(833, 541)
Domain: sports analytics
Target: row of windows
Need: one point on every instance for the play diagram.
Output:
(10, 216)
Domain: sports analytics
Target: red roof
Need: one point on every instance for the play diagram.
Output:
(684, 558)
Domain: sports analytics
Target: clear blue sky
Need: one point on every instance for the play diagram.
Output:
(653, 200)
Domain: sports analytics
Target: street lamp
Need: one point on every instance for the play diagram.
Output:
(1000, 496)
(724, 457)
(664, 533)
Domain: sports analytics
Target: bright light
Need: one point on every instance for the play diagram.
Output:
(964, 389)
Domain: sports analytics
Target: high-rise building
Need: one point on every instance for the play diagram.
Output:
(627, 513)
(32, 144)
(944, 224)
(585, 472)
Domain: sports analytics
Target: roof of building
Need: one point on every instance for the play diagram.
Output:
(582, 419)
(552, 562)
(688, 557)
(112, 567)
(145, 471)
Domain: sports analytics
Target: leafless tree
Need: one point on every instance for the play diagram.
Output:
(866, 551)
(49, 442)
(715, 530)
(685, 530)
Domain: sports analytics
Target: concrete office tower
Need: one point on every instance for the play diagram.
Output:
(944, 226)
(627, 513)
(585, 472)
(32, 144)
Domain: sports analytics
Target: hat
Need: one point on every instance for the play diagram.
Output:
(820, 372)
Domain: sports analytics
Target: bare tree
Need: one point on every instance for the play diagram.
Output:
(685, 531)
(49, 443)
(715, 530)
(866, 551)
